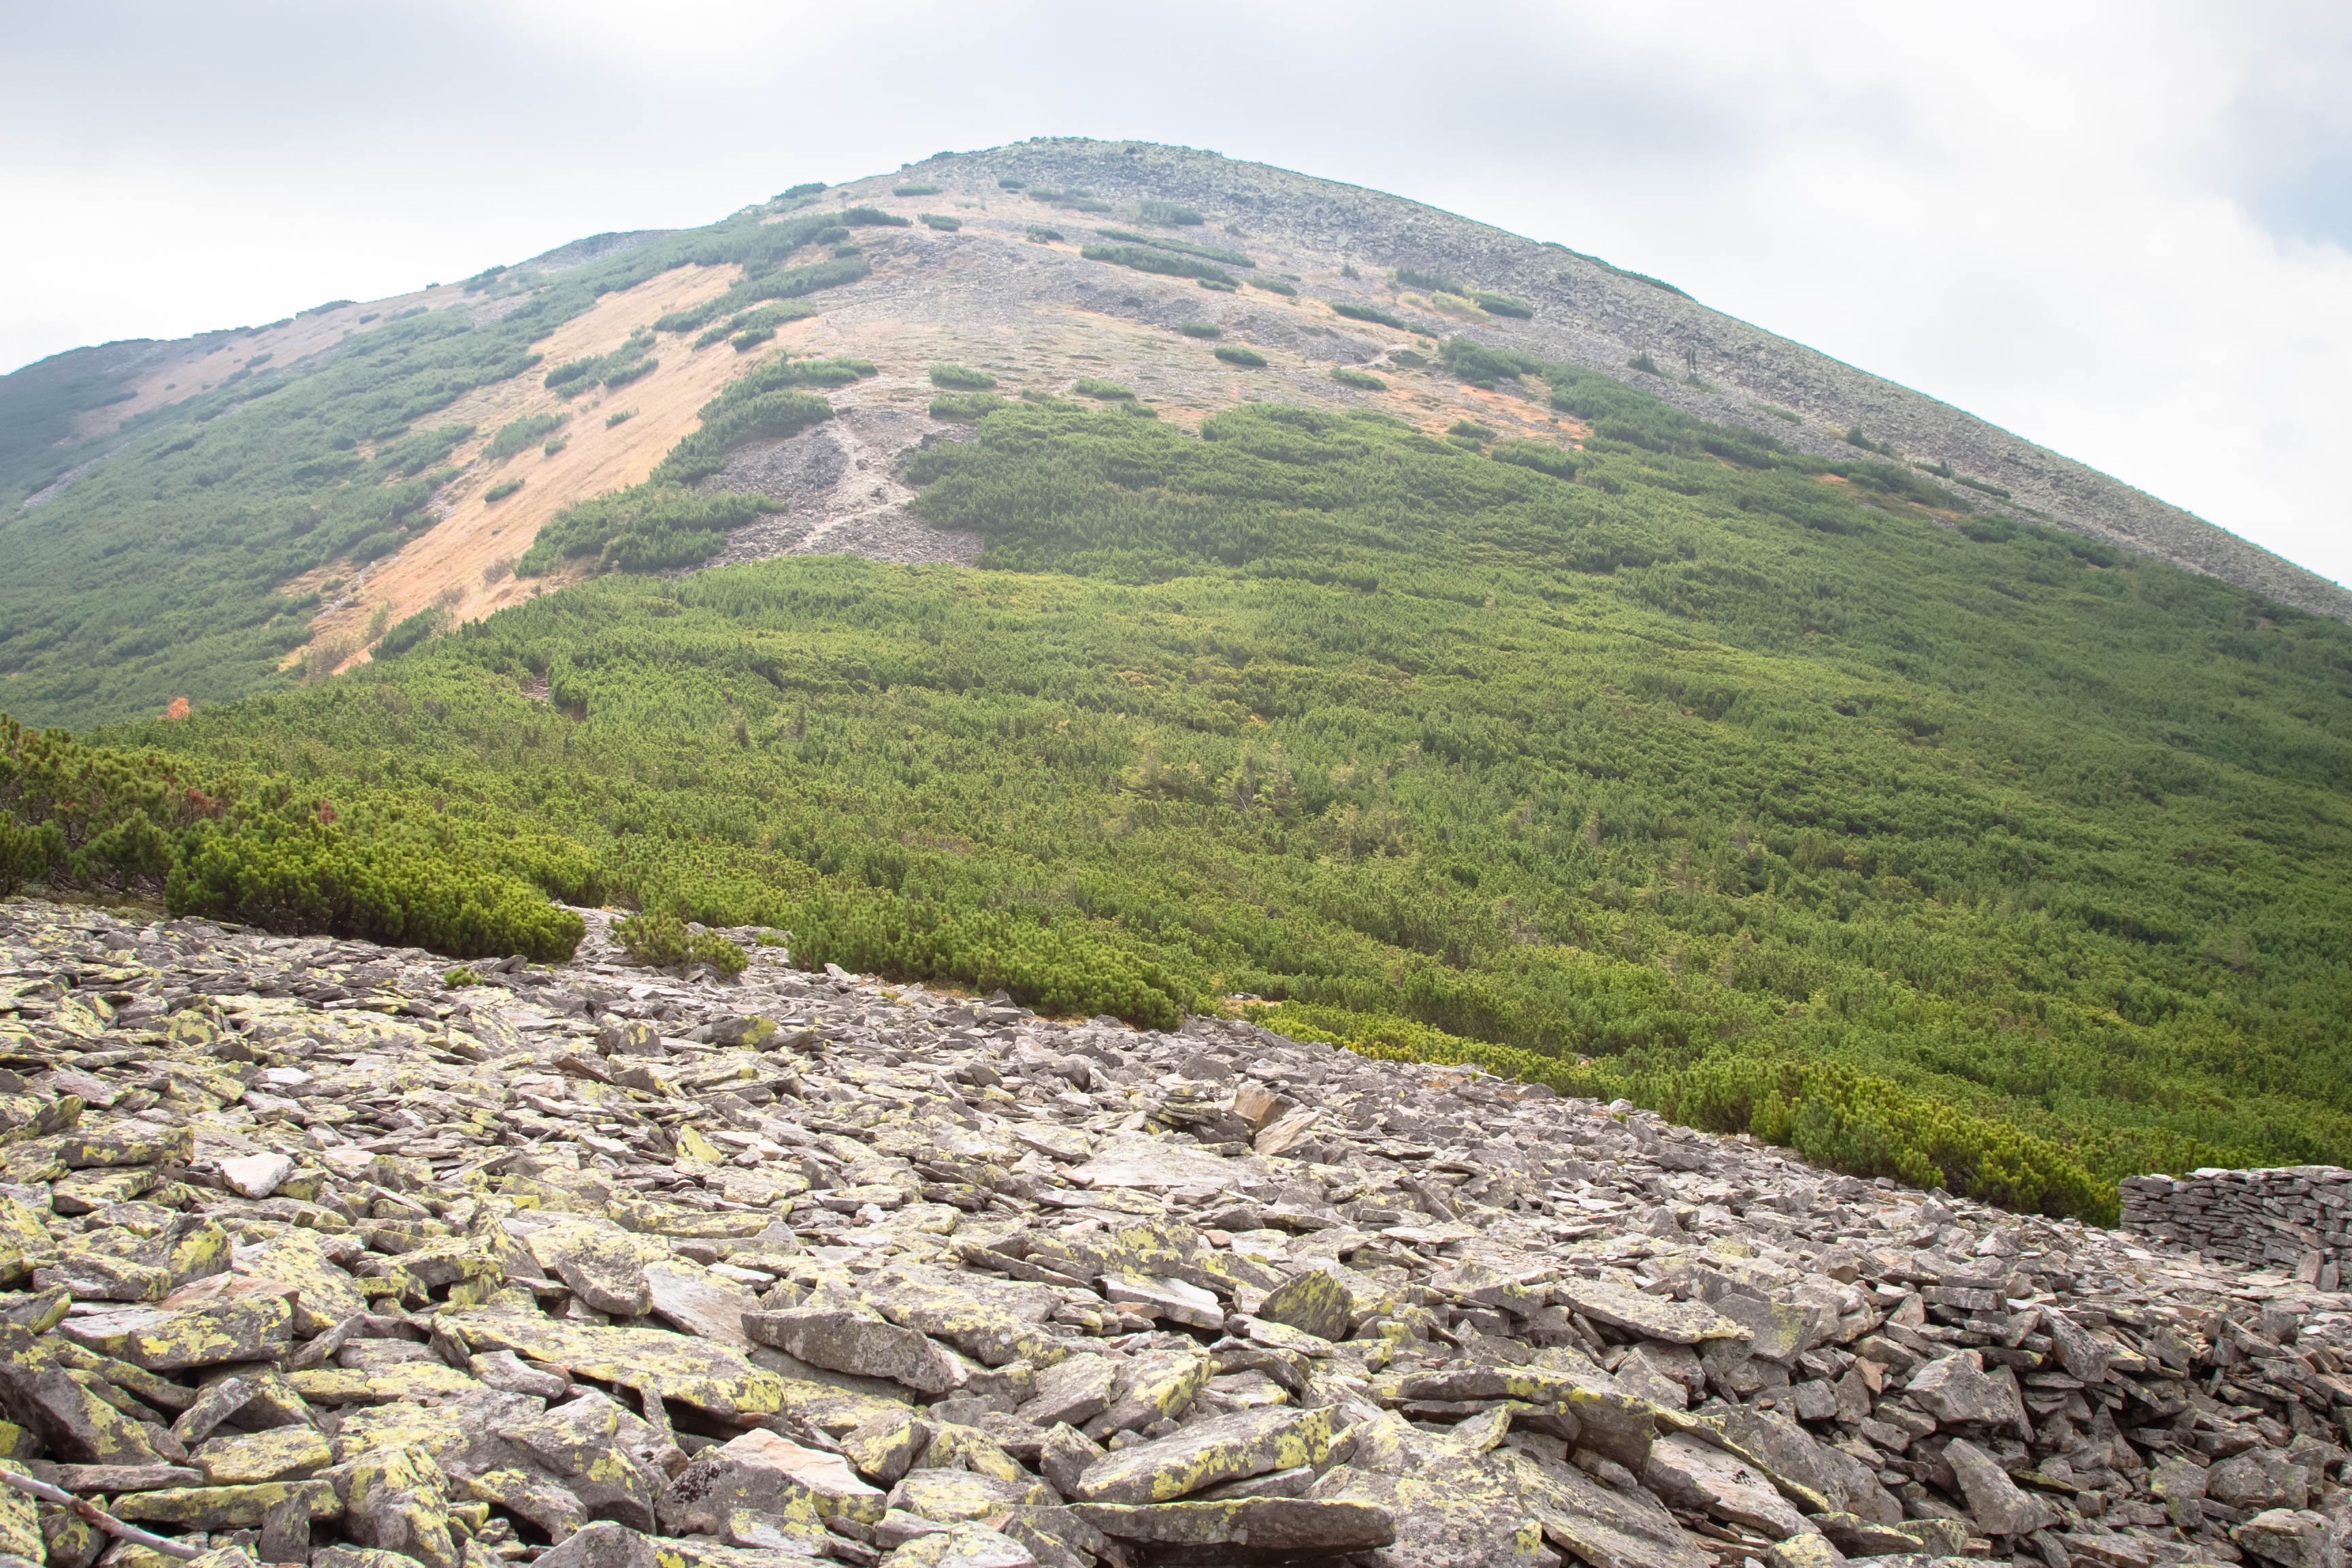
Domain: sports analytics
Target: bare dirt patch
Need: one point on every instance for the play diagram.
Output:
(597, 459)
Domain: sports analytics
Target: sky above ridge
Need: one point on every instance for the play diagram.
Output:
(2123, 231)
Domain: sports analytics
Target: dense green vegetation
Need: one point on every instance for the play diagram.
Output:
(1151, 258)
(966, 406)
(1234, 353)
(645, 528)
(1980, 853)
(1202, 329)
(253, 849)
(158, 573)
(1173, 213)
(1361, 380)
(942, 221)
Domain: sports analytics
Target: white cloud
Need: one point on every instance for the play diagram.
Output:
(2111, 228)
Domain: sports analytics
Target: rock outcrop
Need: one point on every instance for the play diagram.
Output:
(312, 1257)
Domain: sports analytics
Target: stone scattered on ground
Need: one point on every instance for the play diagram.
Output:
(307, 1257)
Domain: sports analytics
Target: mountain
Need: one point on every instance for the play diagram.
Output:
(1156, 584)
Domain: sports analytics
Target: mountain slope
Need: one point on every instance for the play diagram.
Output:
(1500, 704)
(236, 511)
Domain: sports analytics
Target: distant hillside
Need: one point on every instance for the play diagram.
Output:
(230, 512)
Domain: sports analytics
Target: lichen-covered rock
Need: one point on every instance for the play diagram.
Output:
(768, 1475)
(1204, 1453)
(306, 1245)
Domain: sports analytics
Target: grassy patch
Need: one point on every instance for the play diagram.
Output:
(1361, 380)
(500, 492)
(1234, 353)
(1202, 329)
(962, 378)
(1106, 390)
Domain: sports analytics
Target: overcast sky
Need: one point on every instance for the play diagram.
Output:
(2122, 230)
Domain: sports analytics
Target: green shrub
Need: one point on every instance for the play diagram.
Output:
(557, 445)
(25, 851)
(1275, 286)
(1179, 246)
(873, 217)
(408, 632)
(1169, 212)
(1471, 428)
(295, 874)
(1202, 329)
(1147, 258)
(758, 324)
(496, 493)
(1355, 312)
(759, 405)
(613, 419)
(1221, 285)
(1644, 363)
(1107, 391)
(744, 343)
(1234, 353)
(1362, 380)
(1499, 304)
(1039, 235)
(1009, 184)
(645, 528)
(807, 188)
(914, 190)
(662, 941)
(629, 372)
(459, 978)
(527, 431)
(1778, 412)
(832, 234)
(1413, 278)
(1980, 485)
(1536, 455)
(960, 378)
(940, 221)
(967, 406)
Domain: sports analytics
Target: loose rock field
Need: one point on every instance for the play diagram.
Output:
(313, 1256)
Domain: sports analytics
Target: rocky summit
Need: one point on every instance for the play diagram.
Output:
(322, 1252)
